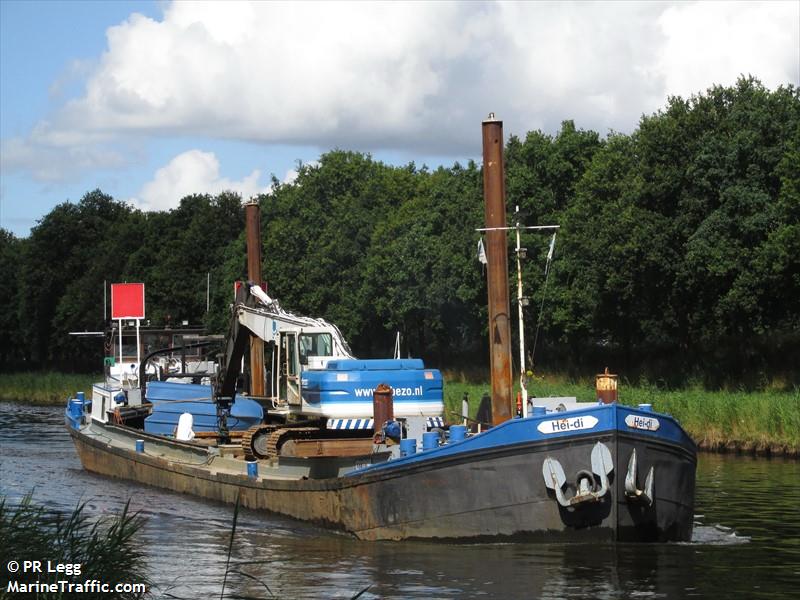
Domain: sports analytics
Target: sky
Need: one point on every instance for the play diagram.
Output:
(152, 101)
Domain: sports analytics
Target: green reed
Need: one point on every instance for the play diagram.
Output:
(106, 549)
(43, 387)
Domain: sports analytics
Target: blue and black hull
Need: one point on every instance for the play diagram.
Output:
(501, 495)
(490, 486)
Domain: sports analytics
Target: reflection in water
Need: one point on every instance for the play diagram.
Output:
(746, 542)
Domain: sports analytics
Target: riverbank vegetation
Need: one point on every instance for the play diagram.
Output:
(42, 387)
(105, 550)
(764, 422)
(678, 257)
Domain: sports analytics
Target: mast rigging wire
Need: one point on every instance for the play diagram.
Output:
(544, 294)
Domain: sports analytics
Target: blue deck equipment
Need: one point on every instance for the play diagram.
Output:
(416, 390)
(171, 400)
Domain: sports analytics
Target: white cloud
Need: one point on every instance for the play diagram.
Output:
(192, 172)
(414, 76)
(704, 45)
(49, 162)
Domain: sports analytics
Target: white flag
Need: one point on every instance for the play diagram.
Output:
(481, 251)
(552, 247)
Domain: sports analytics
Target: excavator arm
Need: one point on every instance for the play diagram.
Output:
(235, 347)
(256, 314)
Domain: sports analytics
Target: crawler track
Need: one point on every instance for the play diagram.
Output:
(265, 441)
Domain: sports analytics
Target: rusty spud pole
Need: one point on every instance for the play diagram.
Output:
(494, 195)
(252, 216)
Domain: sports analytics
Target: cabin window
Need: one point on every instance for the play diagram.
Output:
(315, 344)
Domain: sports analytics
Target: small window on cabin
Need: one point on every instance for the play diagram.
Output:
(315, 344)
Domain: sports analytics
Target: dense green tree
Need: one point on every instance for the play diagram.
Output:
(69, 254)
(317, 234)
(181, 249)
(11, 349)
(542, 175)
(672, 226)
(422, 276)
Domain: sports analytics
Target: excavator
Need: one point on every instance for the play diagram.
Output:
(318, 397)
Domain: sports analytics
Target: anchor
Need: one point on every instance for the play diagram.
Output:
(587, 490)
(632, 493)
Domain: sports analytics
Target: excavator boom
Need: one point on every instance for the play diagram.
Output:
(235, 347)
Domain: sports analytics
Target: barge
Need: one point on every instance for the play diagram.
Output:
(311, 432)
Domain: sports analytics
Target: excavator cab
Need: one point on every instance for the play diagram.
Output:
(311, 370)
(299, 350)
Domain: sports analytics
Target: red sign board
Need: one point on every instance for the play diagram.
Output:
(127, 301)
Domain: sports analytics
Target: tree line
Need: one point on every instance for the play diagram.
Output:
(678, 255)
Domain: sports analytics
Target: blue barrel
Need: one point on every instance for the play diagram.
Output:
(408, 447)
(140, 446)
(539, 411)
(430, 440)
(75, 408)
(81, 396)
(392, 430)
(458, 433)
(252, 469)
(646, 407)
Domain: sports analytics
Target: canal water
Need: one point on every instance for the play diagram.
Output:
(746, 542)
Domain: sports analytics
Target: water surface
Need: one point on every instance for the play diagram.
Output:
(746, 542)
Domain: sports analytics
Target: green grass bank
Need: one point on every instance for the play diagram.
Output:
(764, 422)
(46, 388)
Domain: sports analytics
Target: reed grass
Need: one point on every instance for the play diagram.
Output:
(45, 388)
(763, 422)
(106, 549)
(754, 421)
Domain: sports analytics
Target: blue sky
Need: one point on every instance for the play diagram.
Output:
(150, 101)
(39, 42)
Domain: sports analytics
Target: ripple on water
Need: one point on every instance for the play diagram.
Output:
(717, 535)
(745, 541)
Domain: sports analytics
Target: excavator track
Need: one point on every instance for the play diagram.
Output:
(278, 437)
(255, 441)
(265, 441)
